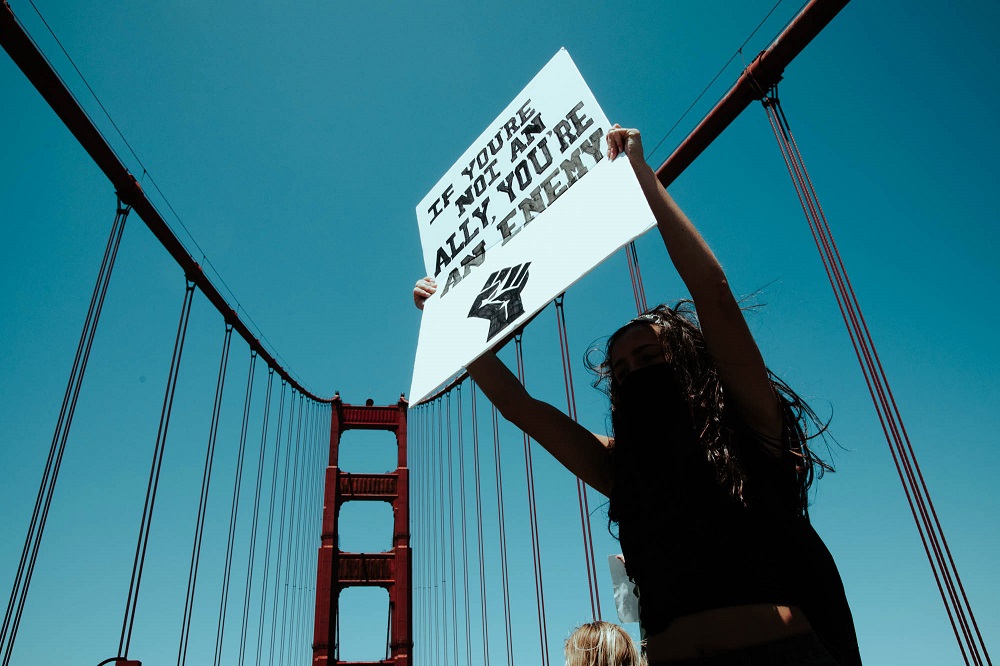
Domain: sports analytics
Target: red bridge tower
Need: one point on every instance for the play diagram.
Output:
(391, 570)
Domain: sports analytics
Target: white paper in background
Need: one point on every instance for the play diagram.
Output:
(531, 207)
(626, 599)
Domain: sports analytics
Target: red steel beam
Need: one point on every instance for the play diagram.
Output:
(765, 70)
(33, 63)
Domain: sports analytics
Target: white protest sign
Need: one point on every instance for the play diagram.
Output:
(529, 209)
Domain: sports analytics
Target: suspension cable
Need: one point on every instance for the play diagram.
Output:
(256, 519)
(638, 290)
(430, 588)
(206, 480)
(154, 474)
(581, 487)
(307, 509)
(504, 575)
(234, 513)
(323, 442)
(444, 555)
(451, 532)
(536, 553)
(291, 531)
(431, 549)
(904, 458)
(465, 544)
(298, 589)
(281, 524)
(270, 521)
(46, 489)
(415, 463)
(479, 529)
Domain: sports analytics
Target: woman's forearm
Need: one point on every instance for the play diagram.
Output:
(689, 252)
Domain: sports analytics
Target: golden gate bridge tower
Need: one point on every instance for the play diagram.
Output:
(391, 570)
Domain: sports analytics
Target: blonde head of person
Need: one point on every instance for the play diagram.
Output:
(602, 644)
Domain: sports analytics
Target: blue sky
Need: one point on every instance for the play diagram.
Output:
(294, 141)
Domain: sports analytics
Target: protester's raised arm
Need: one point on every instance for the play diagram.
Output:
(582, 452)
(741, 367)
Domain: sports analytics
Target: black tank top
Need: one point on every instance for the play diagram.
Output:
(690, 546)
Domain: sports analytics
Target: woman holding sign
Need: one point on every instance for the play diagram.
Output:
(707, 471)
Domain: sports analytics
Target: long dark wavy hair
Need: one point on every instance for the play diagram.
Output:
(714, 420)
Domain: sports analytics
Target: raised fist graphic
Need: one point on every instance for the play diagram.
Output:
(500, 299)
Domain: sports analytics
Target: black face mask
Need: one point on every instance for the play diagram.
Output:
(654, 441)
(650, 402)
(659, 460)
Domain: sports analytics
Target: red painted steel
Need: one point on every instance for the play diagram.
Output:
(391, 570)
(765, 70)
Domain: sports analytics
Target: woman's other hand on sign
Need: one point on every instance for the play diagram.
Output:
(625, 140)
(422, 291)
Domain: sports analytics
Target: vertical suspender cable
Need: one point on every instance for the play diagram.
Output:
(423, 545)
(451, 534)
(581, 487)
(479, 529)
(442, 572)
(638, 291)
(536, 553)
(234, 509)
(435, 502)
(300, 540)
(917, 494)
(154, 474)
(256, 519)
(504, 576)
(292, 531)
(39, 516)
(430, 541)
(292, 558)
(304, 496)
(307, 533)
(465, 542)
(270, 520)
(281, 525)
(416, 430)
(388, 630)
(416, 507)
(206, 480)
(317, 524)
(323, 440)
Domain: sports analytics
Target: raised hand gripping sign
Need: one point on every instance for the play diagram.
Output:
(529, 209)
